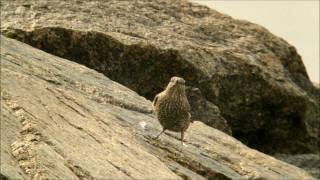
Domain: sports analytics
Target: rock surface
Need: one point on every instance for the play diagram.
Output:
(61, 120)
(257, 80)
(205, 111)
(308, 162)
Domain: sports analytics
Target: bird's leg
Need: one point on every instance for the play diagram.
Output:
(160, 133)
(182, 138)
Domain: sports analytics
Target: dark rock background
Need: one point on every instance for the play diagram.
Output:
(205, 111)
(256, 79)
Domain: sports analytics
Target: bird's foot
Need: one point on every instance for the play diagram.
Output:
(155, 138)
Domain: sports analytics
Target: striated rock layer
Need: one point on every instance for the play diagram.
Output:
(256, 79)
(62, 120)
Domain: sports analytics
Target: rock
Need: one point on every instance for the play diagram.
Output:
(257, 80)
(205, 111)
(308, 162)
(64, 120)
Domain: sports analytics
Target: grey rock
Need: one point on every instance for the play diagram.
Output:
(62, 120)
(205, 111)
(308, 162)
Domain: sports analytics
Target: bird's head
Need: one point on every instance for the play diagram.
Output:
(176, 84)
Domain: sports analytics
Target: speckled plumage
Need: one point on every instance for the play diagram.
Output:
(172, 107)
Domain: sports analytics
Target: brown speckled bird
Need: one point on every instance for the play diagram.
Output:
(172, 107)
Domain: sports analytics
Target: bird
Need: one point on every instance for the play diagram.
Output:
(172, 108)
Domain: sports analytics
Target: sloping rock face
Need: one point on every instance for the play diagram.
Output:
(61, 120)
(256, 79)
(308, 162)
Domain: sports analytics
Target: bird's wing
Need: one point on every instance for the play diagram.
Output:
(189, 116)
(189, 111)
(155, 100)
(187, 104)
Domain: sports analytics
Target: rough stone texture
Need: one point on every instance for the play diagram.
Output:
(308, 162)
(257, 80)
(205, 111)
(61, 120)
